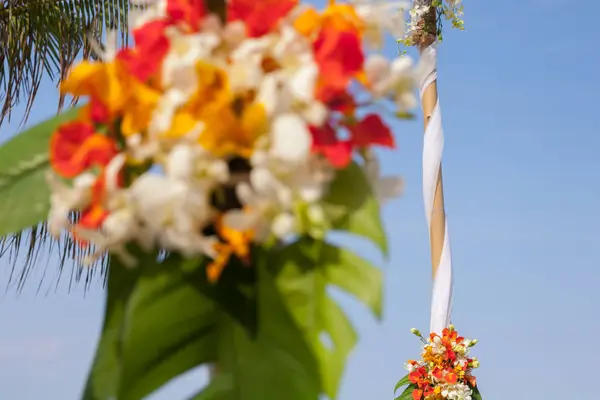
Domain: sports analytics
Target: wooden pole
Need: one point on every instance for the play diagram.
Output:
(425, 37)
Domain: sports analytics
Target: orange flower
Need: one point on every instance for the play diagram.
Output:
(451, 378)
(341, 17)
(260, 17)
(235, 242)
(417, 394)
(94, 215)
(75, 147)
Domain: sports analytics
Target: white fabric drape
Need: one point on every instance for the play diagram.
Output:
(433, 146)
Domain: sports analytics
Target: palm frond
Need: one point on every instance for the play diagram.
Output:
(41, 39)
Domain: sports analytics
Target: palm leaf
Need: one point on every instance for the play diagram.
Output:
(41, 40)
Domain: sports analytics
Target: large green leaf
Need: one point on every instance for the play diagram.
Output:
(24, 162)
(353, 207)
(476, 395)
(304, 271)
(219, 388)
(103, 379)
(402, 382)
(163, 319)
(169, 328)
(278, 363)
(407, 393)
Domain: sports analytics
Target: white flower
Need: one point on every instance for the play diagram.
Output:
(385, 188)
(382, 17)
(303, 82)
(290, 139)
(245, 68)
(173, 213)
(141, 148)
(146, 11)
(64, 199)
(178, 69)
(119, 228)
(191, 163)
(396, 79)
(266, 201)
(458, 391)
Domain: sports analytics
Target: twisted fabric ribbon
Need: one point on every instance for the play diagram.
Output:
(433, 145)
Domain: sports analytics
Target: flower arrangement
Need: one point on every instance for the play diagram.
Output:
(210, 161)
(444, 370)
(247, 121)
(427, 17)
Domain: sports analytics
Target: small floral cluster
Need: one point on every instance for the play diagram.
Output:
(446, 10)
(210, 135)
(444, 371)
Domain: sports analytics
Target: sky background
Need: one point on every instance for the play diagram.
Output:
(519, 94)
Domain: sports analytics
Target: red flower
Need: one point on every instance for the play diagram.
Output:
(371, 131)
(75, 147)
(99, 112)
(325, 142)
(151, 47)
(259, 16)
(340, 57)
(186, 12)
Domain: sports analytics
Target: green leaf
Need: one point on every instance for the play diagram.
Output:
(158, 325)
(304, 271)
(103, 379)
(407, 393)
(354, 208)
(24, 161)
(355, 275)
(219, 388)
(169, 328)
(402, 382)
(476, 395)
(278, 363)
(164, 319)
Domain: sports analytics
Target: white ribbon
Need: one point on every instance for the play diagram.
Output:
(433, 146)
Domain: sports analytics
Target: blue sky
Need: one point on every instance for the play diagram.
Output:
(519, 98)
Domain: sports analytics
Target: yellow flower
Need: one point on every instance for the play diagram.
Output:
(137, 112)
(341, 17)
(231, 122)
(111, 85)
(107, 83)
(232, 127)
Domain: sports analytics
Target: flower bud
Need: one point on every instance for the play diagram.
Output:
(451, 327)
(416, 332)
(473, 342)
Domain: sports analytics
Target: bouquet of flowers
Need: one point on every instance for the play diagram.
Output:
(206, 137)
(444, 370)
(210, 161)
